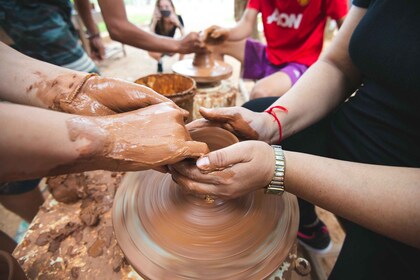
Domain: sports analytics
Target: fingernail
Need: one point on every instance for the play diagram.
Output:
(203, 162)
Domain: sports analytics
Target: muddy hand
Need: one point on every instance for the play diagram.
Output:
(191, 43)
(245, 124)
(225, 172)
(147, 138)
(215, 35)
(99, 96)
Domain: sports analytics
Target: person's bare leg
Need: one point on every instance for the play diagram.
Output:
(7, 243)
(26, 205)
(235, 49)
(274, 85)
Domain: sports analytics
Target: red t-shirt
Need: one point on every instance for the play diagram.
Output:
(294, 29)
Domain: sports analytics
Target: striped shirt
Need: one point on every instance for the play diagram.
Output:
(43, 30)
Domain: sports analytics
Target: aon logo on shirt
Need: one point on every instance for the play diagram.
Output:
(285, 20)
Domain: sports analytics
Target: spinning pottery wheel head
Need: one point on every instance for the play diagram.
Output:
(166, 233)
(203, 68)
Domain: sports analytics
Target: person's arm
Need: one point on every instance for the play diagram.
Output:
(381, 198)
(243, 28)
(37, 142)
(32, 82)
(29, 81)
(216, 35)
(323, 87)
(85, 11)
(120, 29)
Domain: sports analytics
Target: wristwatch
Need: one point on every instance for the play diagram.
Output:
(276, 186)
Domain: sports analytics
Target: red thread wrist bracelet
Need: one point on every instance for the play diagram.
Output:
(270, 111)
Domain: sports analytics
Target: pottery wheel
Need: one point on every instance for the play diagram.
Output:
(203, 74)
(168, 234)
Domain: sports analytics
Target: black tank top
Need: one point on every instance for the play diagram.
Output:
(380, 124)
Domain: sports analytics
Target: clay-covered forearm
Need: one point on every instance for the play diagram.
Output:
(381, 198)
(28, 81)
(120, 29)
(37, 142)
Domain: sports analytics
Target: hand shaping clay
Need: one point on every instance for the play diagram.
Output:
(166, 233)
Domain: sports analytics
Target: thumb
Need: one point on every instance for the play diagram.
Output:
(196, 149)
(221, 159)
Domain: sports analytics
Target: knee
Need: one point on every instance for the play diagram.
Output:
(264, 89)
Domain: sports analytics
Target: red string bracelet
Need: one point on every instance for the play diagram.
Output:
(270, 111)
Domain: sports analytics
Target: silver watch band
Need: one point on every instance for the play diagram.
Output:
(276, 186)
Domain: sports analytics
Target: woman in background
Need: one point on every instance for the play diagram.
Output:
(165, 22)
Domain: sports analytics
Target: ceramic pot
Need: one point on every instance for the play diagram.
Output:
(180, 89)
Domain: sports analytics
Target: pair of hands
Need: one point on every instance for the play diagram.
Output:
(226, 172)
(197, 42)
(150, 134)
(215, 35)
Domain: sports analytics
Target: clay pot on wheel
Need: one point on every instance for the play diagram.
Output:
(10, 268)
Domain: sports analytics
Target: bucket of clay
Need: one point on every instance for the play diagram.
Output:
(180, 89)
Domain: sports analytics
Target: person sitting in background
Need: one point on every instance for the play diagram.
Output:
(294, 31)
(165, 22)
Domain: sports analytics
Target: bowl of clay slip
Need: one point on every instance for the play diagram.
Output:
(179, 88)
(168, 233)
